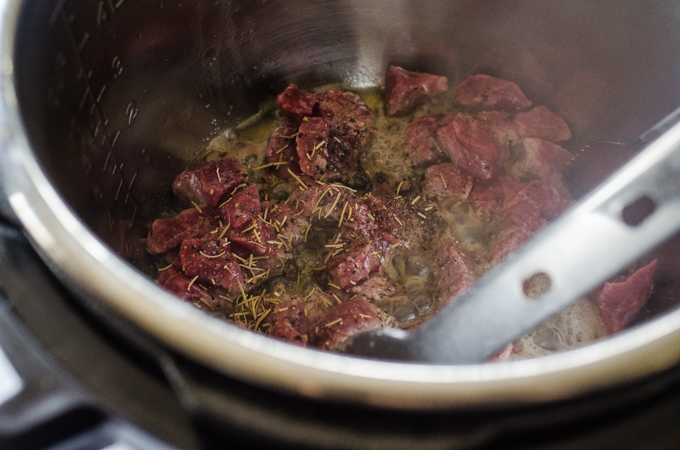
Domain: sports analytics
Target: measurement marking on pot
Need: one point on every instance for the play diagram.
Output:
(115, 139)
(119, 4)
(100, 9)
(101, 92)
(99, 125)
(86, 37)
(56, 12)
(85, 94)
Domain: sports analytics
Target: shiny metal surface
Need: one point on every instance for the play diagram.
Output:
(105, 101)
(498, 310)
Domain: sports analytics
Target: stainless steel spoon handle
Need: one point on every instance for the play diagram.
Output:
(587, 245)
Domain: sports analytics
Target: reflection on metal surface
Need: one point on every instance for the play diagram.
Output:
(10, 382)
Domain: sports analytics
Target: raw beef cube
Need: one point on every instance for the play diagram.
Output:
(282, 147)
(517, 227)
(207, 185)
(490, 93)
(422, 148)
(285, 322)
(490, 197)
(212, 262)
(284, 220)
(346, 320)
(543, 160)
(452, 271)
(404, 90)
(445, 180)
(261, 241)
(167, 234)
(472, 145)
(354, 264)
(352, 126)
(183, 287)
(241, 208)
(548, 200)
(295, 104)
(622, 299)
(375, 289)
(312, 146)
(539, 123)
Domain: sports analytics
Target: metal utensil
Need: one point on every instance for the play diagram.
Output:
(634, 210)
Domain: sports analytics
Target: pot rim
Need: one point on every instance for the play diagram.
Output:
(81, 258)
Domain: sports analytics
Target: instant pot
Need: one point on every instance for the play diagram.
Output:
(104, 102)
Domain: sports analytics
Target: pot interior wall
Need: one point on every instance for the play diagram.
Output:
(117, 97)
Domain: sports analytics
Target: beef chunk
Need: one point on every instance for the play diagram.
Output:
(538, 123)
(347, 266)
(404, 90)
(489, 93)
(295, 104)
(326, 204)
(517, 227)
(472, 145)
(422, 148)
(167, 234)
(490, 197)
(412, 222)
(295, 317)
(259, 239)
(346, 320)
(375, 289)
(451, 273)
(533, 206)
(285, 221)
(623, 298)
(312, 146)
(445, 180)
(282, 147)
(208, 185)
(241, 208)
(188, 290)
(538, 159)
(212, 262)
(286, 322)
(352, 126)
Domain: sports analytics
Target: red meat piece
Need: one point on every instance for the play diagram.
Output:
(444, 180)
(452, 271)
(517, 227)
(422, 148)
(167, 234)
(209, 184)
(179, 284)
(472, 145)
(490, 197)
(539, 123)
(622, 299)
(241, 208)
(538, 159)
(354, 264)
(285, 322)
(345, 320)
(533, 206)
(295, 104)
(212, 262)
(312, 146)
(404, 90)
(260, 240)
(284, 220)
(283, 148)
(352, 126)
(490, 93)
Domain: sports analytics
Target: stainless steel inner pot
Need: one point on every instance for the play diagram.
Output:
(103, 102)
